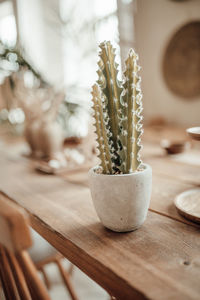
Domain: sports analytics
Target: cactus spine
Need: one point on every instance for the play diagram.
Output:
(101, 131)
(117, 111)
(111, 90)
(130, 116)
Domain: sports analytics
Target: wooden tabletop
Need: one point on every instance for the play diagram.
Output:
(161, 260)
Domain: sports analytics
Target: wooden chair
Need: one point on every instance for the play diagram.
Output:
(18, 273)
(42, 254)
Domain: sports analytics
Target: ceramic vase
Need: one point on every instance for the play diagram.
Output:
(121, 201)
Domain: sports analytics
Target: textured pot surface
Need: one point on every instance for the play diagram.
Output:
(121, 201)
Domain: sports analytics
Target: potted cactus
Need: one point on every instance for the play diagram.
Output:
(121, 185)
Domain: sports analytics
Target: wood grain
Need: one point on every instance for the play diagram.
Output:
(165, 189)
(154, 134)
(162, 199)
(144, 264)
(164, 165)
(127, 265)
(159, 261)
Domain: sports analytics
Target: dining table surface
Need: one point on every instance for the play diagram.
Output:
(160, 260)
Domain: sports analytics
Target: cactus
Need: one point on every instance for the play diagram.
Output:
(111, 90)
(117, 110)
(130, 116)
(105, 152)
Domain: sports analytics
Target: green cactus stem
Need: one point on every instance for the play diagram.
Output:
(117, 111)
(130, 116)
(110, 86)
(101, 132)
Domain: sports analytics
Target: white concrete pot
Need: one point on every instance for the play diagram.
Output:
(121, 201)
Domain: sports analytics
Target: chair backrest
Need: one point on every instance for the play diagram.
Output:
(18, 274)
(14, 231)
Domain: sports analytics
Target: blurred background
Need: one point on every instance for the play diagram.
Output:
(48, 63)
(52, 46)
(55, 45)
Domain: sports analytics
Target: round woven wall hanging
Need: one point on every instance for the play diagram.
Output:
(181, 62)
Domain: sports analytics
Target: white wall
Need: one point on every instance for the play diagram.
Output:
(155, 22)
(40, 35)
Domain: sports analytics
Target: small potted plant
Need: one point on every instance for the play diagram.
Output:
(121, 185)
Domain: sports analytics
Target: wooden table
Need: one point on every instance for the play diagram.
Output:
(161, 260)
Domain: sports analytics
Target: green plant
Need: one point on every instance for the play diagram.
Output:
(117, 111)
(12, 59)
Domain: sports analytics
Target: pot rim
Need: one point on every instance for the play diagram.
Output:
(145, 166)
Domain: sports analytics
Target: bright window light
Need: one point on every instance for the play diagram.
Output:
(8, 33)
(86, 24)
